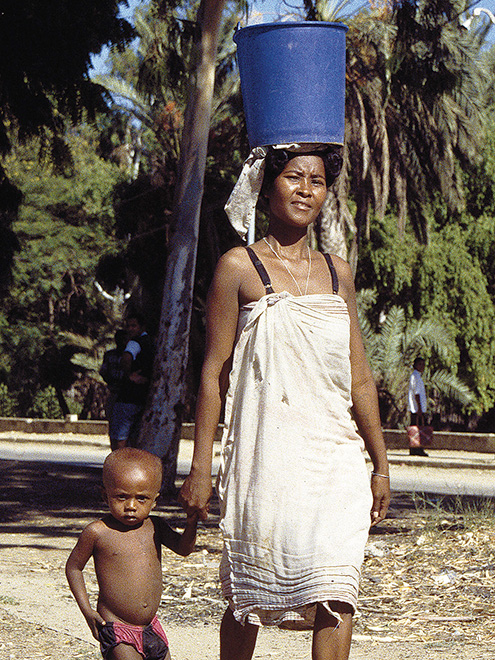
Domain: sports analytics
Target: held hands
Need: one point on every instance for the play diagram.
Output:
(195, 495)
(95, 622)
(380, 488)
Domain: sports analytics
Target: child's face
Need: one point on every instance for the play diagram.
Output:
(131, 496)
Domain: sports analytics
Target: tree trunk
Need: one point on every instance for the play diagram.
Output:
(336, 221)
(161, 424)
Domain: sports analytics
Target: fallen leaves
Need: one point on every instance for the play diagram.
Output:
(426, 579)
(431, 579)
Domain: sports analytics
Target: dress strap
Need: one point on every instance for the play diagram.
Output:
(333, 273)
(265, 278)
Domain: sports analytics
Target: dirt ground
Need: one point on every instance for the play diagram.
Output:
(427, 585)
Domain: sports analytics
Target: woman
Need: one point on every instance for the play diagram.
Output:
(293, 486)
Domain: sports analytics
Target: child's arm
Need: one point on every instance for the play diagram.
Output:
(78, 559)
(182, 544)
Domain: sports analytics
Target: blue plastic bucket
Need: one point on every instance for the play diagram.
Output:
(293, 81)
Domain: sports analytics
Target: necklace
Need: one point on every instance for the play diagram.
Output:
(288, 269)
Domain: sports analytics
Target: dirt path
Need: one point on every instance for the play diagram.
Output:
(427, 587)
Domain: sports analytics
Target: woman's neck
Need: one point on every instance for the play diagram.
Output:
(289, 242)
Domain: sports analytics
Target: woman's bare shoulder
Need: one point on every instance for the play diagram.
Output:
(340, 264)
(344, 273)
(342, 267)
(233, 265)
(229, 274)
(236, 256)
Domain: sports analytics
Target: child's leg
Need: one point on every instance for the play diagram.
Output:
(237, 642)
(124, 652)
(331, 642)
(127, 652)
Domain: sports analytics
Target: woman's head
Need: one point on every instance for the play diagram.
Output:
(297, 193)
(277, 159)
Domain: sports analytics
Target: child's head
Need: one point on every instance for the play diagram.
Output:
(131, 484)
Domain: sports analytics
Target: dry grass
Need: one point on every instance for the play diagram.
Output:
(428, 576)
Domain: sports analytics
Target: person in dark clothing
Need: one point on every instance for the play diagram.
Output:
(111, 370)
(136, 363)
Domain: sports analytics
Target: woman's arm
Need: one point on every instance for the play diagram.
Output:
(221, 326)
(365, 400)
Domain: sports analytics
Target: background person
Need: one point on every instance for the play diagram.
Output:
(295, 496)
(111, 370)
(137, 365)
(417, 403)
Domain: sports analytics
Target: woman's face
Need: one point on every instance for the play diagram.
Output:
(298, 192)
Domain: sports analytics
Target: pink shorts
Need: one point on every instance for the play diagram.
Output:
(150, 640)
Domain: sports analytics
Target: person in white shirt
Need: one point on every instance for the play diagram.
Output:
(417, 401)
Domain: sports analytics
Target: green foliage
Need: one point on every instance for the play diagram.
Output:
(387, 266)
(65, 224)
(40, 83)
(149, 84)
(415, 111)
(21, 345)
(45, 405)
(45, 51)
(452, 284)
(446, 282)
(8, 407)
(391, 351)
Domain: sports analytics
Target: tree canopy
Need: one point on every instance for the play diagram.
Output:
(96, 208)
(45, 58)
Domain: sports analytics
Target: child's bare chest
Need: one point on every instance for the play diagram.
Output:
(130, 548)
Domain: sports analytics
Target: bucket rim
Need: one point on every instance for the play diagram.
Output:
(258, 27)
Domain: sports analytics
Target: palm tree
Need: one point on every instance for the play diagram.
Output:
(391, 352)
(147, 83)
(414, 112)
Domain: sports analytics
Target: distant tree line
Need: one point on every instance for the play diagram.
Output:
(88, 193)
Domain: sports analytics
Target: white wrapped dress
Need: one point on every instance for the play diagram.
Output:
(293, 485)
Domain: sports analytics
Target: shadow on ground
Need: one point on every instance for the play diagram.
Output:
(54, 500)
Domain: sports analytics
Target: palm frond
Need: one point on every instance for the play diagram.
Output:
(428, 334)
(391, 352)
(448, 385)
(391, 332)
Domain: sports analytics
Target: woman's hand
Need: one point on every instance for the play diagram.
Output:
(195, 495)
(380, 488)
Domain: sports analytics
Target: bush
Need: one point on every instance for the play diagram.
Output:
(8, 404)
(45, 405)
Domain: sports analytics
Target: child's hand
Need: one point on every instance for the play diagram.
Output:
(192, 518)
(95, 623)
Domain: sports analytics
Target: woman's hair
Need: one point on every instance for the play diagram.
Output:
(277, 159)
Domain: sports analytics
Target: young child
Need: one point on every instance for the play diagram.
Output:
(126, 549)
